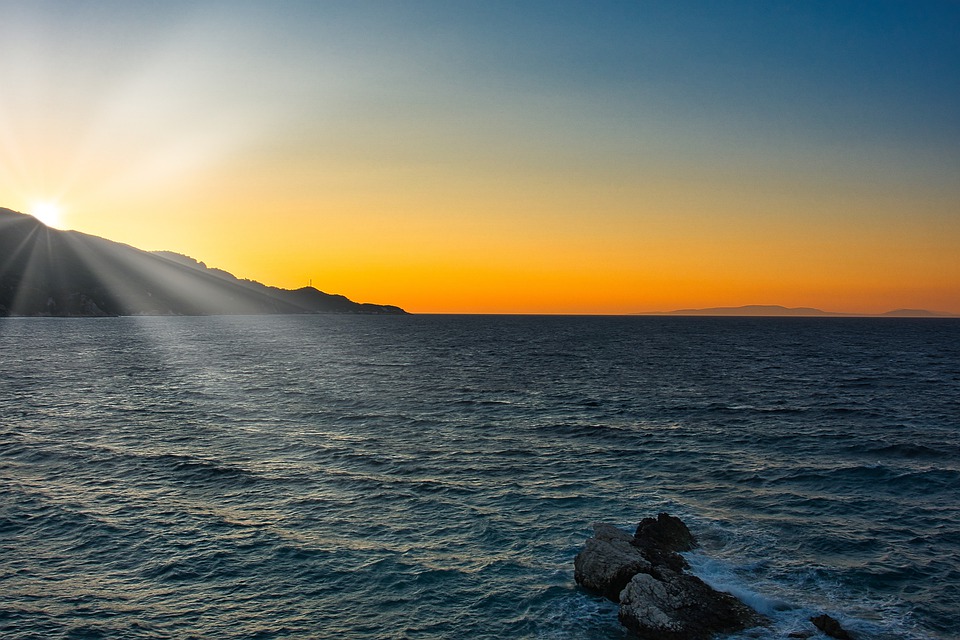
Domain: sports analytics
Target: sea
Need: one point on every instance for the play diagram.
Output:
(431, 476)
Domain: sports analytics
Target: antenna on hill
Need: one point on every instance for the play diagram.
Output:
(311, 282)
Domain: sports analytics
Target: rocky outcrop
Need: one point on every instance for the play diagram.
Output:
(831, 627)
(645, 574)
(661, 538)
(608, 561)
(675, 606)
(664, 532)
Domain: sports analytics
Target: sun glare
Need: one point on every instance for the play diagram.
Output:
(49, 213)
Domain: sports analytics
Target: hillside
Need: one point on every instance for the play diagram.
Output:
(48, 272)
(770, 310)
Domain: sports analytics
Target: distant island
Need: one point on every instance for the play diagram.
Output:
(48, 272)
(772, 310)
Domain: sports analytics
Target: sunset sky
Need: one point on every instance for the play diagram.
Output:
(505, 157)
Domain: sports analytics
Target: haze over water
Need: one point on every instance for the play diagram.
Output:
(434, 476)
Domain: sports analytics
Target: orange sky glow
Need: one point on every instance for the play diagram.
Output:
(446, 163)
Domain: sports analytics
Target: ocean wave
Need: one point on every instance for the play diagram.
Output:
(183, 479)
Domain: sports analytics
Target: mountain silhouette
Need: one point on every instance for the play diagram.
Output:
(48, 272)
(773, 310)
(754, 310)
(916, 313)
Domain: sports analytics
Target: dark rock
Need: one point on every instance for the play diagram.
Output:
(659, 539)
(681, 607)
(608, 561)
(666, 533)
(660, 559)
(831, 627)
(644, 573)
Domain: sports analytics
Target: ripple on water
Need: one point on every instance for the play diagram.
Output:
(434, 476)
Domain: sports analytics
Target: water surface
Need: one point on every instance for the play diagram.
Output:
(434, 476)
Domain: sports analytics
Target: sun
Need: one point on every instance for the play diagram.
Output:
(49, 213)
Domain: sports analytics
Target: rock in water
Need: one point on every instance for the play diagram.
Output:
(644, 573)
(676, 606)
(666, 533)
(831, 627)
(608, 561)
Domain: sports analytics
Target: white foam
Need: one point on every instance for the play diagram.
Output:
(790, 612)
(722, 577)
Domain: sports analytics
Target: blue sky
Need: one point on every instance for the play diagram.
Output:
(466, 137)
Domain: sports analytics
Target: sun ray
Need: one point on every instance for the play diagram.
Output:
(31, 285)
